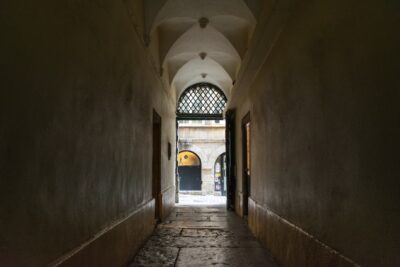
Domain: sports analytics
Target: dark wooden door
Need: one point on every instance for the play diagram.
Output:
(246, 175)
(189, 178)
(156, 165)
(230, 158)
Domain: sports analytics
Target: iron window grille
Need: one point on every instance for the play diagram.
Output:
(201, 101)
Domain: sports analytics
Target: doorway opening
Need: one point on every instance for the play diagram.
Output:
(220, 174)
(201, 162)
(156, 166)
(201, 172)
(246, 175)
(189, 169)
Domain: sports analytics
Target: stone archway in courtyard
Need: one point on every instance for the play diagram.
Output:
(189, 171)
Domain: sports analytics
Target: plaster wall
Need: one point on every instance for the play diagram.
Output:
(76, 101)
(325, 127)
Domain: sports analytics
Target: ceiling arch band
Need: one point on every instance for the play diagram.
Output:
(195, 9)
(206, 70)
(194, 42)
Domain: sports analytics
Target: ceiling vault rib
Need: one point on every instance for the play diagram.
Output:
(200, 41)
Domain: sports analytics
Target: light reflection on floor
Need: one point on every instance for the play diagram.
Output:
(202, 236)
(198, 200)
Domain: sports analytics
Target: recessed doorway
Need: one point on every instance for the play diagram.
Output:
(201, 145)
(246, 163)
(156, 166)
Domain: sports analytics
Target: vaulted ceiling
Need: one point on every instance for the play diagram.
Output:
(201, 40)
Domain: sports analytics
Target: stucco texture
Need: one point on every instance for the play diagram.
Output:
(325, 130)
(76, 102)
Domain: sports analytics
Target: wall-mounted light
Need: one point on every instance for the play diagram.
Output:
(146, 40)
(203, 22)
(203, 55)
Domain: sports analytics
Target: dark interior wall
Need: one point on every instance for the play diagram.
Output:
(76, 102)
(325, 131)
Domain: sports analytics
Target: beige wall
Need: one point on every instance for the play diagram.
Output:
(325, 127)
(76, 101)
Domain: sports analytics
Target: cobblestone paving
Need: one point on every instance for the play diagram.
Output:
(202, 236)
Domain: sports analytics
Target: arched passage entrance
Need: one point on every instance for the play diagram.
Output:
(189, 171)
(201, 130)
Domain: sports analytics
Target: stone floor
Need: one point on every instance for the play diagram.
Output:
(200, 200)
(202, 236)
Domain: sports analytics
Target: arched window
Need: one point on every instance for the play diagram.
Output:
(201, 101)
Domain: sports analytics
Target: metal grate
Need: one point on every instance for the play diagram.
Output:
(201, 100)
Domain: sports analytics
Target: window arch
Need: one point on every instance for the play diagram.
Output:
(201, 101)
